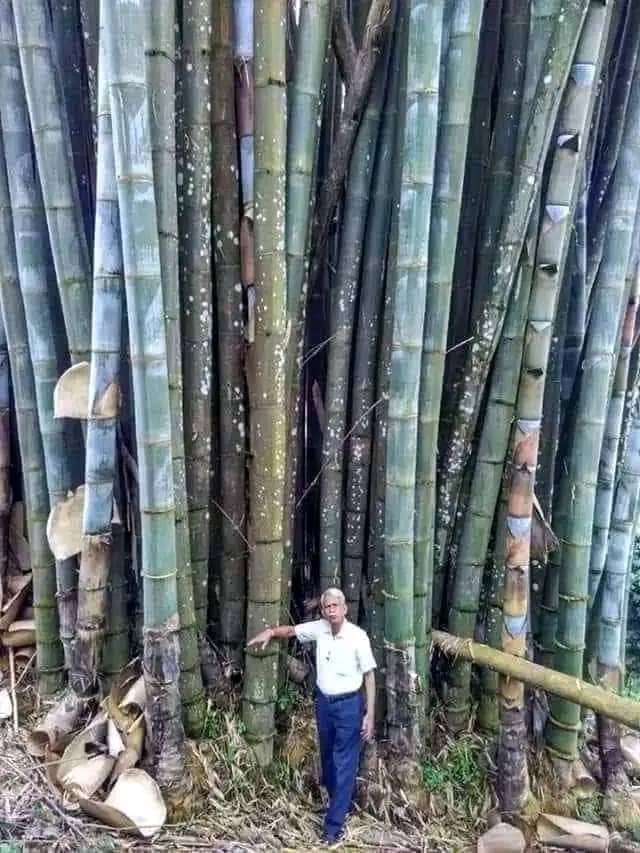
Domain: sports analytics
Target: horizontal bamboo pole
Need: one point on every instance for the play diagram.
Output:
(616, 707)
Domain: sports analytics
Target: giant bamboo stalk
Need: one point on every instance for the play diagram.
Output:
(472, 194)
(453, 134)
(90, 19)
(366, 396)
(408, 283)
(195, 287)
(192, 597)
(49, 653)
(613, 436)
(379, 231)
(484, 493)
(571, 689)
(243, 17)
(305, 100)
(266, 367)
(34, 265)
(614, 129)
(303, 134)
(621, 541)
(104, 391)
(345, 299)
(506, 130)
(560, 202)
(526, 185)
(232, 415)
(577, 308)
(59, 190)
(124, 32)
(68, 44)
(591, 407)
(555, 232)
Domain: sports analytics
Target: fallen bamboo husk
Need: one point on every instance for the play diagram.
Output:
(134, 803)
(616, 707)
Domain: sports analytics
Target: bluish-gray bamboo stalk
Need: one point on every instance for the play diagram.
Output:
(53, 154)
(519, 55)
(621, 542)
(367, 398)
(102, 416)
(36, 279)
(69, 56)
(591, 408)
(525, 188)
(613, 437)
(408, 285)
(485, 488)
(192, 597)
(49, 653)
(345, 300)
(124, 32)
(451, 157)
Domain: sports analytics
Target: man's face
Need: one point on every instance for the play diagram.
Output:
(334, 610)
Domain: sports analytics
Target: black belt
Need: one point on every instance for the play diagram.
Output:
(338, 696)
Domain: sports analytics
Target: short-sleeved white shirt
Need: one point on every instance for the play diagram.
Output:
(342, 659)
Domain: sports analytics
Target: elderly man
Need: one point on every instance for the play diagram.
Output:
(343, 662)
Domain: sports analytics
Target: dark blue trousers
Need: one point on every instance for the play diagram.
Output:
(339, 724)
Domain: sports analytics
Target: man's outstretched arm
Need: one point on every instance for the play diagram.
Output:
(280, 632)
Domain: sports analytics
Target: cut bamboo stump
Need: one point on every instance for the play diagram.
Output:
(616, 707)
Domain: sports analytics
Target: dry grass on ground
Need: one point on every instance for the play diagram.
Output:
(437, 807)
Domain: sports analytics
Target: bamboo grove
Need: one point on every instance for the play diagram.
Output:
(297, 294)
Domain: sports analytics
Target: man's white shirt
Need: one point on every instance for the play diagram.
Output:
(342, 659)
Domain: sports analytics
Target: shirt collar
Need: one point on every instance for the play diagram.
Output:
(341, 632)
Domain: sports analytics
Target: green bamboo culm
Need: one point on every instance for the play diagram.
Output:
(194, 182)
(365, 403)
(591, 408)
(614, 445)
(160, 53)
(621, 540)
(124, 31)
(408, 283)
(613, 440)
(370, 435)
(49, 653)
(52, 146)
(346, 305)
(36, 278)
(104, 390)
(232, 414)
(451, 157)
(518, 209)
(516, 59)
(526, 33)
(484, 493)
(266, 368)
(304, 107)
(554, 239)
(305, 93)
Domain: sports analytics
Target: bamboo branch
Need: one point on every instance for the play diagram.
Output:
(358, 83)
(344, 46)
(626, 711)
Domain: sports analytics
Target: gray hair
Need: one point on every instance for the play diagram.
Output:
(332, 592)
